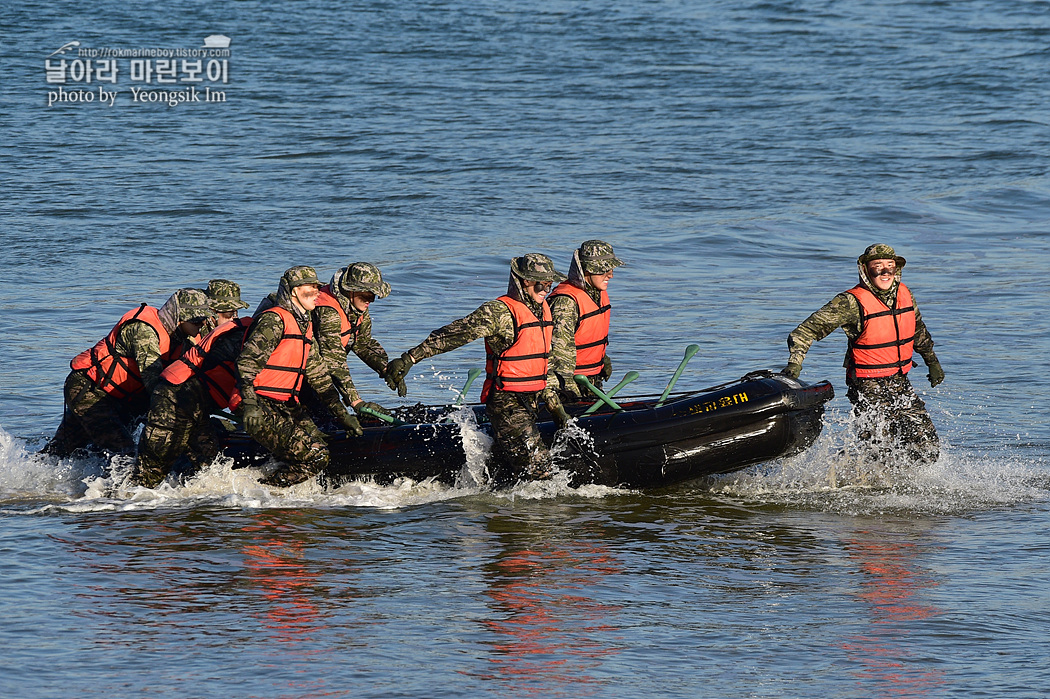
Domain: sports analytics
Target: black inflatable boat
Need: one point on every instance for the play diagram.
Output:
(645, 444)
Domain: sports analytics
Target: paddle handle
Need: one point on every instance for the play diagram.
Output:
(584, 381)
(689, 352)
(381, 416)
(627, 378)
(471, 375)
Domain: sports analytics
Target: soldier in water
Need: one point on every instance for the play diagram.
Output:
(276, 359)
(580, 308)
(884, 329)
(109, 386)
(517, 328)
(198, 384)
(343, 326)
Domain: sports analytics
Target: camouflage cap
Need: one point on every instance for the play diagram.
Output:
(191, 304)
(880, 251)
(225, 296)
(297, 276)
(535, 267)
(597, 257)
(363, 277)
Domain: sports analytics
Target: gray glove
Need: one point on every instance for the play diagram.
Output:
(557, 410)
(395, 385)
(349, 422)
(936, 374)
(792, 370)
(252, 417)
(606, 373)
(371, 406)
(397, 369)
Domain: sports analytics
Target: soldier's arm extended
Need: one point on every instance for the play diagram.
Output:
(139, 341)
(263, 337)
(566, 315)
(843, 311)
(367, 348)
(330, 349)
(492, 319)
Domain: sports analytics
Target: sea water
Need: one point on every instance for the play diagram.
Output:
(738, 156)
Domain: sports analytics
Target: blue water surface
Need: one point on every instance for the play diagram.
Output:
(738, 155)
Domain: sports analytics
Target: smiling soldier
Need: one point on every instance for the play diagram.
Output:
(884, 327)
(275, 362)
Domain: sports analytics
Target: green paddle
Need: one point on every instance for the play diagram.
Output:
(471, 375)
(689, 352)
(385, 418)
(627, 378)
(584, 381)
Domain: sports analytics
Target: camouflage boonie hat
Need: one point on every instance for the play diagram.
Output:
(191, 304)
(363, 278)
(597, 257)
(880, 251)
(225, 296)
(535, 267)
(297, 276)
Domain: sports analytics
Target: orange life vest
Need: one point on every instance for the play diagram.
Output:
(884, 347)
(282, 377)
(522, 367)
(219, 377)
(120, 376)
(348, 328)
(592, 328)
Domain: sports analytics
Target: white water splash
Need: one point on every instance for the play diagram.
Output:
(568, 442)
(477, 446)
(31, 483)
(831, 476)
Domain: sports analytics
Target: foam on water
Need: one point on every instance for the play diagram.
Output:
(829, 477)
(31, 483)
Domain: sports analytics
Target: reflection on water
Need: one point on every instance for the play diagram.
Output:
(549, 633)
(275, 565)
(193, 587)
(892, 587)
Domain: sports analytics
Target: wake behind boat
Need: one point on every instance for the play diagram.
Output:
(647, 443)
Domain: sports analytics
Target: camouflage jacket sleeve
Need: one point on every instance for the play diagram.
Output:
(492, 320)
(327, 328)
(320, 379)
(263, 337)
(139, 341)
(843, 311)
(566, 315)
(367, 348)
(923, 342)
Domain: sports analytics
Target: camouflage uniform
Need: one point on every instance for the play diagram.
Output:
(593, 257)
(178, 422)
(287, 431)
(93, 416)
(359, 277)
(512, 414)
(887, 411)
(224, 296)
